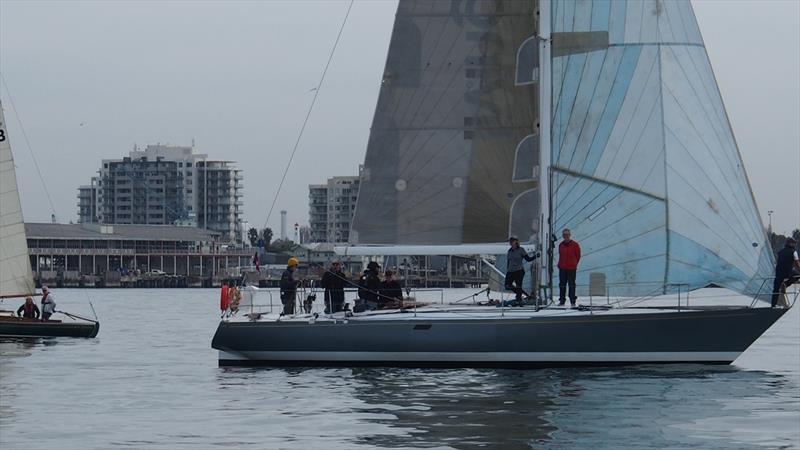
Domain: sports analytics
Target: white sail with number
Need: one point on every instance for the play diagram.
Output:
(16, 278)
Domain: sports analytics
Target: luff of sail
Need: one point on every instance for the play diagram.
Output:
(16, 278)
(645, 168)
(452, 156)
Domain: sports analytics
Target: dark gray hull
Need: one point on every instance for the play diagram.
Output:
(709, 336)
(17, 327)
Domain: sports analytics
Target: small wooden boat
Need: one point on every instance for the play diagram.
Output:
(11, 326)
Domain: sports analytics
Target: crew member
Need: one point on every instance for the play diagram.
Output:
(369, 286)
(48, 303)
(333, 281)
(787, 261)
(569, 254)
(390, 287)
(28, 310)
(289, 286)
(515, 272)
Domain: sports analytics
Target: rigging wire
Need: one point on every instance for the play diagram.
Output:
(308, 114)
(28, 144)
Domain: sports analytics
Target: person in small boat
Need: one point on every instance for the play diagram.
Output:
(48, 303)
(787, 269)
(28, 310)
(369, 286)
(569, 254)
(288, 286)
(515, 271)
(390, 287)
(333, 281)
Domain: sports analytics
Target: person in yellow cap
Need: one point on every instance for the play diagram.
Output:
(289, 286)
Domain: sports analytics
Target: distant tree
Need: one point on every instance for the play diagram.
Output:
(282, 245)
(266, 235)
(252, 236)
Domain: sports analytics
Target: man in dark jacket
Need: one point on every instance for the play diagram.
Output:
(333, 281)
(515, 271)
(390, 288)
(369, 286)
(28, 310)
(289, 286)
(787, 263)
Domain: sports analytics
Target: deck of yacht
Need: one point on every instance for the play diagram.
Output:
(435, 309)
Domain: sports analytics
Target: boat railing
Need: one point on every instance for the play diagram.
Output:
(644, 292)
(632, 293)
(765, 290)
(410, 291)
(262, 300)
(628, 295)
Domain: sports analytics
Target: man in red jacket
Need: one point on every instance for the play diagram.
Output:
(569, 254)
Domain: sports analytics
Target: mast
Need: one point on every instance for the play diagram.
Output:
(545, 115)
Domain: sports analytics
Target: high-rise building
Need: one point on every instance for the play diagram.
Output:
(163, 185)
(331, 207)
(87, 203)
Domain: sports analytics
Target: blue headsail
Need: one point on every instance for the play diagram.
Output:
(645, 168)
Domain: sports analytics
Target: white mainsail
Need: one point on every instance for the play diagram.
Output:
(16, 278)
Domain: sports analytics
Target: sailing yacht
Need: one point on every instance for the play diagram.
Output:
(16, 277)
(500, 118)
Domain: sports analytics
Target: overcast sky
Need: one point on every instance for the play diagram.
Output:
(91, 79)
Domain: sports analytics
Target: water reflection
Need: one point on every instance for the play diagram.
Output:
(459, 408)
(619, 407)
(12, 351)
(22, 346)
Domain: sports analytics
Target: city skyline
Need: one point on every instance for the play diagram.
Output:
(241, 92)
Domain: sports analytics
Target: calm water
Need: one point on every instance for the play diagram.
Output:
(151, 381)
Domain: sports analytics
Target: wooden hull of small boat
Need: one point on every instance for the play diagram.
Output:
(17, 327)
